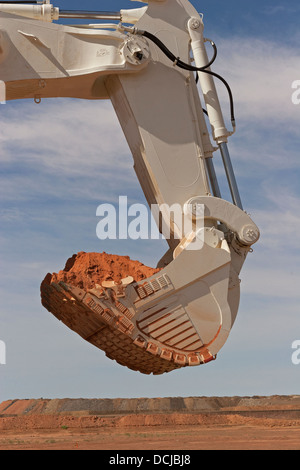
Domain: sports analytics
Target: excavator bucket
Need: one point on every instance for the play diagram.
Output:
(182, 314)
(167, 321)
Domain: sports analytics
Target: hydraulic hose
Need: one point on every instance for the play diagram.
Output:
(179, 63)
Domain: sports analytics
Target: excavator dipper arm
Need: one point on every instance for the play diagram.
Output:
(146, 66)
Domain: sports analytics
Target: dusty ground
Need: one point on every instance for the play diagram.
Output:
(266, 423)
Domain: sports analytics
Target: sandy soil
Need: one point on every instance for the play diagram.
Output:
(85, 270)
(29, 425)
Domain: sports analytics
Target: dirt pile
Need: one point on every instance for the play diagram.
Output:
(85, 270)
(168, 405)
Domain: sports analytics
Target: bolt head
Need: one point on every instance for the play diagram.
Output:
(195, 23)
(249, 234)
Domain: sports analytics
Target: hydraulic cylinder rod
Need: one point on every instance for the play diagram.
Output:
(95, 15)
(230, 175)
(213, 178)
(46, 12)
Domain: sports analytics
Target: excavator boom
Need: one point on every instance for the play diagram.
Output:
(152, 63)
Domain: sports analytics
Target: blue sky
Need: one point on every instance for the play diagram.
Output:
(61, 159)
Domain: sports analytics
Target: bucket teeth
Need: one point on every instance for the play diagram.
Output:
(106, 320)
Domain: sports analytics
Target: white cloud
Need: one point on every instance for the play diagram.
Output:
(274, 270)
(272, 282)
(261, 74)
(73, 137)
(280, 219)
(277, 9)
(62, 149)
